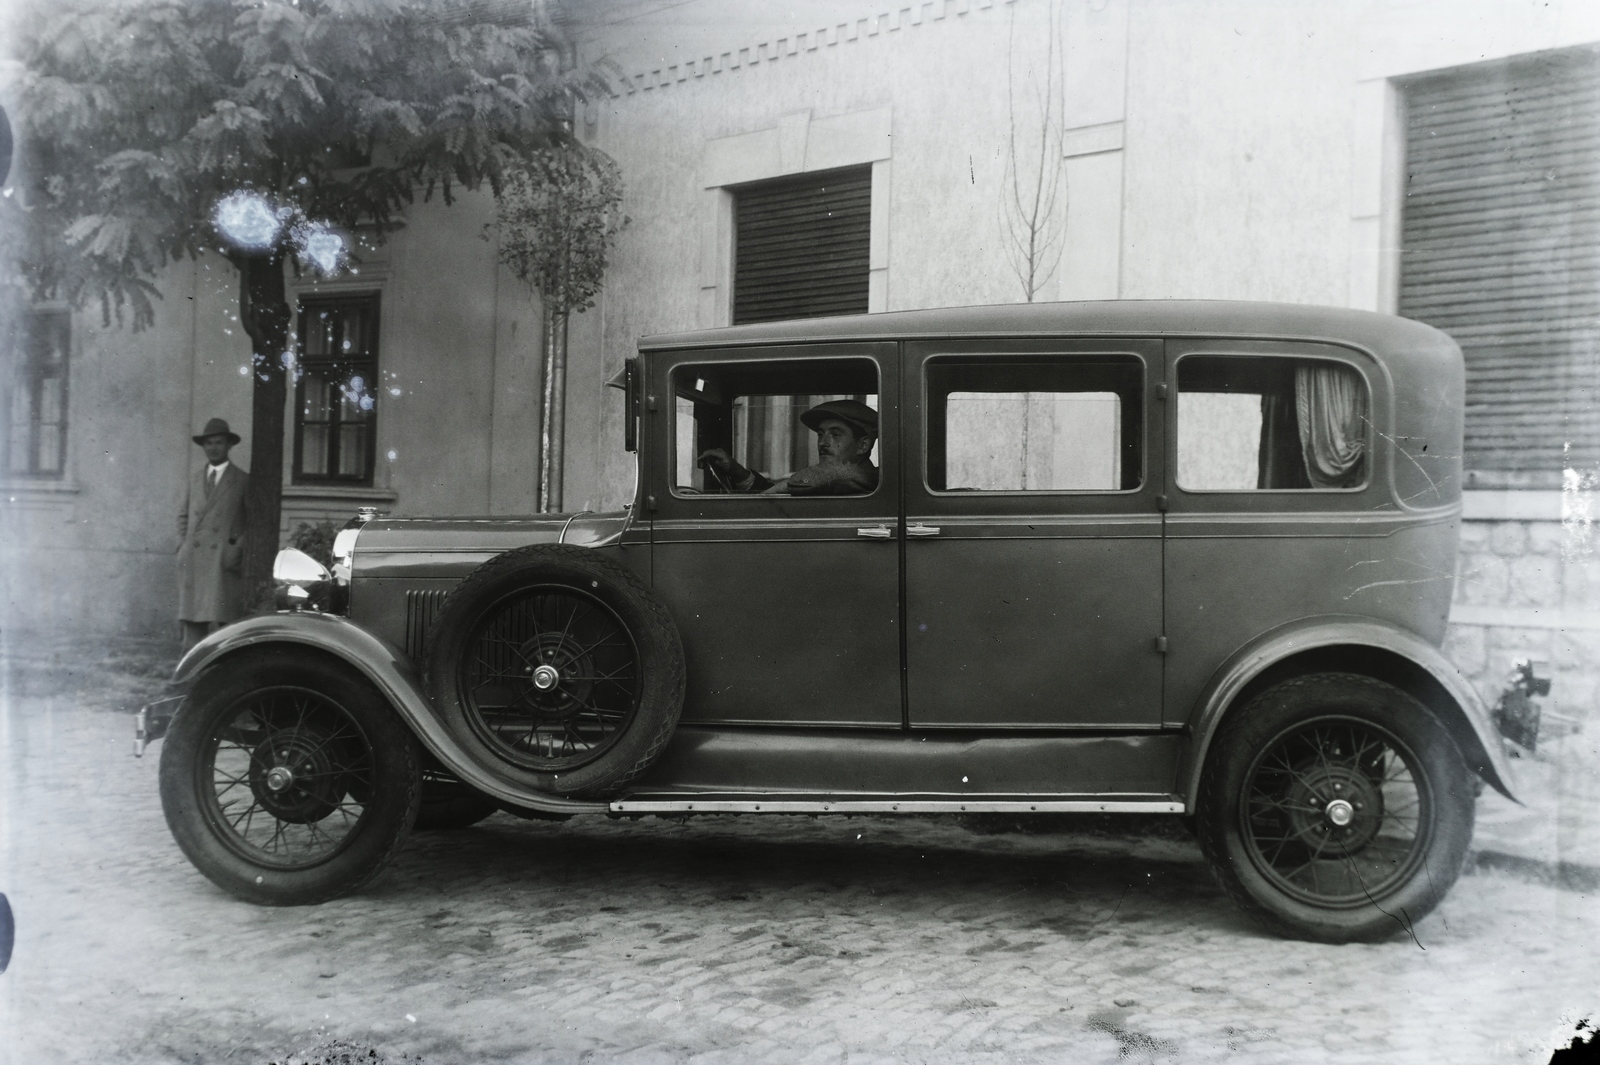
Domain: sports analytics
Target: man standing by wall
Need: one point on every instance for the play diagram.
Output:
(211, 525)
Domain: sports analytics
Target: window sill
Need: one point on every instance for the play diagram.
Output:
(339, 491)
(20, 489)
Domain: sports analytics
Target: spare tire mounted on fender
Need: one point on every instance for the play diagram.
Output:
(561, 664)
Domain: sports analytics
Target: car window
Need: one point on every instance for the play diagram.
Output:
(755, 416)
(1035, 424)
(1249, 423)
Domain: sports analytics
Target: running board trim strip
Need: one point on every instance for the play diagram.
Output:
(711, 805)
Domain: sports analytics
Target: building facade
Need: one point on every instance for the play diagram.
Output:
(1426, 157)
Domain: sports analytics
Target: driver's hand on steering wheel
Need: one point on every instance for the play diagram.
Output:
(717, 458)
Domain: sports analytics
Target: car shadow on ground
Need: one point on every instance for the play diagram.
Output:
(1064, 882)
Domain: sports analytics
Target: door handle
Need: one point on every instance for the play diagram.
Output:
(921, 530)
(876, 532)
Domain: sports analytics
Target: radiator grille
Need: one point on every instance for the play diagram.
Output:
(422, 606)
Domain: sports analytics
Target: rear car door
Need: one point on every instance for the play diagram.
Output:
(1033, 534)
(788, 605)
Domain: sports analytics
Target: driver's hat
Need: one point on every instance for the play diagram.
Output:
(854, 413)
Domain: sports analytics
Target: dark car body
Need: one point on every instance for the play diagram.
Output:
(929, 647)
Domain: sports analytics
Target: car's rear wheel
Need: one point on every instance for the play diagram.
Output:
(287, 779)
(1335, 807)
(562, 665)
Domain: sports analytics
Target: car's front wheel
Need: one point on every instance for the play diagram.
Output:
(287, 779)
(1335, 807)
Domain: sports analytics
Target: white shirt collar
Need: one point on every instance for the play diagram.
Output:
(215, 472)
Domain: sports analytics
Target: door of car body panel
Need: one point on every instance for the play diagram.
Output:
(1033, 534)
(788, 605)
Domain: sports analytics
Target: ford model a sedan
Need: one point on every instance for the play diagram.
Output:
(1182, 558)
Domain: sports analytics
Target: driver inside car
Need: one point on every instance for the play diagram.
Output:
(846, 431)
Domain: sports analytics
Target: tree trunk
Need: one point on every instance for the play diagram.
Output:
(264, 313)
(553, 411)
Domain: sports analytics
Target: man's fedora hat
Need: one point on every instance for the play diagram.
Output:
(854, 413)
(217, 427)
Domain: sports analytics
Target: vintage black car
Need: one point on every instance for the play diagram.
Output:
(1186, 558)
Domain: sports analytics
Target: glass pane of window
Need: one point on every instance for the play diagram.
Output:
(1035, 424)
(1247, 423)
(1033, 441)
(742, 429)
(35, 390)
(335, 416)
(1219, 441)
(314, 448)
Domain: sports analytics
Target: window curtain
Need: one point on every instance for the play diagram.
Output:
(1279, 462)
(1331, 407)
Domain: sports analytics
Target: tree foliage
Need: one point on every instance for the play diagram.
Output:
(558, 218)
(137, 115)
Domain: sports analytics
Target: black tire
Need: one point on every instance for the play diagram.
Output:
(287, 779)
(448, 804)
(560, 664)
(1335, 807)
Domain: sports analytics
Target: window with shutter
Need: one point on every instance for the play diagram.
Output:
(1501, 249)
(801, 246)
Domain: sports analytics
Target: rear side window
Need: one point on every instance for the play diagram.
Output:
(1049, 423)
(1249, 423)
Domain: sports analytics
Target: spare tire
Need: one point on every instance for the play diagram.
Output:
(562, 665)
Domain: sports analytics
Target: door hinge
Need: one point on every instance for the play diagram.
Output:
(1161, 645)
(1161, 502)
(650, 502)
(650, 403)
(1161, 391)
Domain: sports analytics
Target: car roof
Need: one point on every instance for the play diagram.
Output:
(1380, 333)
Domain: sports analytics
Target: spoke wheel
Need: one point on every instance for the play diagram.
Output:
(557, 664)
(287, 779)
(1335, 811)
(1335, 807)
(551, 679)
(285, 774)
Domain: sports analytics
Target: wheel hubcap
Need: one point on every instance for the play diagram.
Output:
(1340, 813)
(295, 778)
(546, 677)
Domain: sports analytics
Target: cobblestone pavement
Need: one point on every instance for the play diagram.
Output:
(721, 940)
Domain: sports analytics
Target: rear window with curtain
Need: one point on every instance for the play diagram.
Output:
(1247, 424)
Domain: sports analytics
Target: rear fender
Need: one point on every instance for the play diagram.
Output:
(1317, 645)
(388, 670)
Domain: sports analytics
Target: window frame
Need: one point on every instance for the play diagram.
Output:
(1370, 439)
(28, 374)
(370, 359)
(674, 396)
(1137, 434)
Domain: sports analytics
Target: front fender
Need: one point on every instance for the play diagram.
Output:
(1324, 634)
(381, 663)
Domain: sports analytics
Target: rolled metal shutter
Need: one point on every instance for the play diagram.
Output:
(801, 247)
(1501, 249)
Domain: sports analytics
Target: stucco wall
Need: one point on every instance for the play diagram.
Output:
(457, 423)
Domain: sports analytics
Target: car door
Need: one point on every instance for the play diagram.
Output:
(788, 605)
(1033, 534)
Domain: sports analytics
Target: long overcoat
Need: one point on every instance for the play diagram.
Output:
(212, 525)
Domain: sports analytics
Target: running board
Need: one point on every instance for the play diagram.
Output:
(712, 805)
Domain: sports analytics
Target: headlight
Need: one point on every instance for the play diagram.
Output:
(302, 581)
(344, 549)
